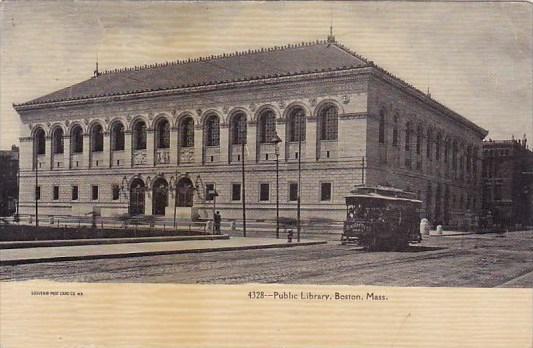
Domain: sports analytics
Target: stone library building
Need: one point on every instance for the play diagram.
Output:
(160, 138)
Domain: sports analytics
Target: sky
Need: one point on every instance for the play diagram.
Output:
(475, 58)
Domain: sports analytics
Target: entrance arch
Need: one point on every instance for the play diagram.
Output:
(136, 206)
(160, 196)
(184, 193)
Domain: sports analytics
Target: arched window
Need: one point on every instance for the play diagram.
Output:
(328, 119)
(97, 138)
(212, 131)
(382, 127)
(117, 137)
(469, 159)
(475, 161)
(418, 139)
(407, 136)
(446, 150)
(162, 133)
(429, 144)
(454, 154)
(139, 135)
(395, 140)
(187, 132)
(77, 139)
(267, 127)
(39, 142)
(238, 129)
(57, 141)
(297, 125)
(437, 146)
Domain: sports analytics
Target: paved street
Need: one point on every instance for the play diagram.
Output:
(461, 261)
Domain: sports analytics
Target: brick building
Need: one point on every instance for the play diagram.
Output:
(9, 166)
(146, 139)
(508, 182)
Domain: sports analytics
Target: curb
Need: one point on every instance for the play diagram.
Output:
(153, 253)
(103, 241)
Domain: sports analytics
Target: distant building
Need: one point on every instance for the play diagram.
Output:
(147, 139)
(508, 182)
(9, 165)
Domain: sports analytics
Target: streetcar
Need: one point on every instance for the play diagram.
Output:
(381, 218)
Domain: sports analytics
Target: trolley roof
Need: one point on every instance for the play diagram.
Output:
(382, 193)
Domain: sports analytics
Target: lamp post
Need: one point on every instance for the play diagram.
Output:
(36, 186)
(276, 140)
(298, 207)
(243, 142)
(173, 187)
(17, 218)
(214, 194)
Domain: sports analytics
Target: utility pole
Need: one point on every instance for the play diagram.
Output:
(276, 140)
(35, 193)
(298, 224)
(175, 189)
(243, 141)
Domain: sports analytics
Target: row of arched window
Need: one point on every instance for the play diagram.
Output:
(436, 146)
(296, 129)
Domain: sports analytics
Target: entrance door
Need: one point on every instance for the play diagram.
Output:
(136, 197)
(184, 193)
(160, 197)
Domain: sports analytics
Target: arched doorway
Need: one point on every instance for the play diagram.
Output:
(160, 196)
(136, 197)
(184, 191)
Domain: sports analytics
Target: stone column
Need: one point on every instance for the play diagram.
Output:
(107, 150)
(169, 211)
(148, 200)
(173, 146)
(86, 151)
(150, 147)
(310, 139)
(251, 138)
(198, 144)
(66, 152)
(47, 165)
(128, 148)
(224, 143)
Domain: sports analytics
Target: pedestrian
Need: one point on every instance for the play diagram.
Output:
(217, 220)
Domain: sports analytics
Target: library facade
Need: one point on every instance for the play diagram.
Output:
(158, 139)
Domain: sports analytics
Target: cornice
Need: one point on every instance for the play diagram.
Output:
(426, 99)
(260, 81)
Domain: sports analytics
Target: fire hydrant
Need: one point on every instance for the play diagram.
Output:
(289, 236)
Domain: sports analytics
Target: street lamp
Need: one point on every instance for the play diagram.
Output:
(276, 140)
(243, 142)
(173, 186)
(213, 194)
(36, 188)
(300, 123)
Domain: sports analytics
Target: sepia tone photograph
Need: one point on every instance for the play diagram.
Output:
(266, 174)
(334, 143)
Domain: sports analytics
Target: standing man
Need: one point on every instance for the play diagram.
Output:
(217, 220)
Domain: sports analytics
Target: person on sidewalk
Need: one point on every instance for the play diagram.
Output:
(217, 220)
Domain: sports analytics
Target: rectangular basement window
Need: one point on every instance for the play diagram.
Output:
(293, 192)
(74, 193)
(94, 193)
(264, 192)
(325, 191)
(235, 192)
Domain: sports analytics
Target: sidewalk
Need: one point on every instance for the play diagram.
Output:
(88, 252)
(433, 233)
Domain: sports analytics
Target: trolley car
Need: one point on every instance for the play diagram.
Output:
(381, 218)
